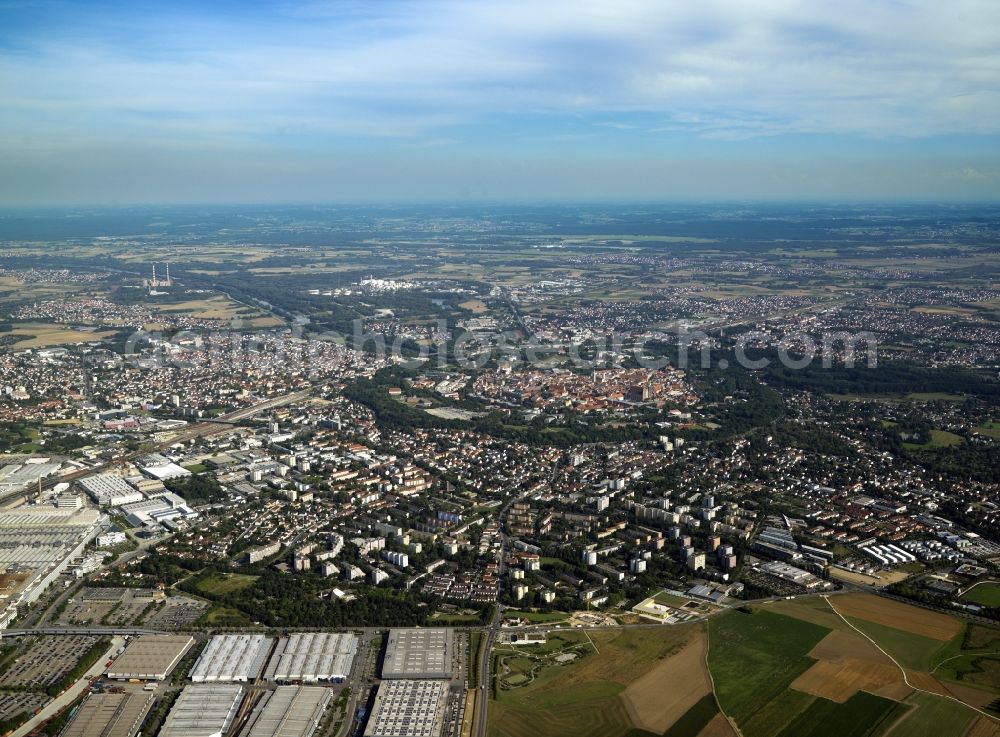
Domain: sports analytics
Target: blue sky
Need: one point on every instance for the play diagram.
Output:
(118, 102)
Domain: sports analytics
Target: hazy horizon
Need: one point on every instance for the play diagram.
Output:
(318, 102)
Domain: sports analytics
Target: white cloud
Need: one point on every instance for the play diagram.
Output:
(398, 69)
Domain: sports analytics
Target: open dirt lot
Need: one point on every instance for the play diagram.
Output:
(898, 615)
(663, 694)
(838, 680)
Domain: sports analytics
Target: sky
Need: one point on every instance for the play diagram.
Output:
(517, 100)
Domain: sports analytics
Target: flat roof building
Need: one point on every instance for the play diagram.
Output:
(313, 656)
(109, 715)
(37, 544)
(109, 490)
(232, 658)
(203, 710)
(408, 708)
(150, 657)
(418, 653)
(288, 711)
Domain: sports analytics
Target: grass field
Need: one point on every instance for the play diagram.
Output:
(225, 583)
(210, 308)
(536, 617)
(40, 335)
(908, 649)
(990, 428)
(220, 616)
(586, 697)
(755, 657)
(987, 594)
(939, 439)
(930, 716)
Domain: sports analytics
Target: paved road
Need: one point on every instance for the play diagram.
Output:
(69, 695)
(494, 626)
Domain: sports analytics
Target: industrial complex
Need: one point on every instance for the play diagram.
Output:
(232, 658)
(406, 708)
(418, 653)
(288, 711)
(203, 710)
(312, 657)
(37, 544)
(109, 715)
(150, 657)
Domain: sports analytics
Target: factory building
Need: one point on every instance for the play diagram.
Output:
(109, 715)
(232, 659)
(150, 657)
(109, 490)
(312, 657)
(288, 711)
(408, 708)
(36, 546)
(418, 654)
(203, 710)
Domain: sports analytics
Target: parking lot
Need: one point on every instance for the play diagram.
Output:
(175, 613)
(12, 704)
(122, 607)
(42, 661)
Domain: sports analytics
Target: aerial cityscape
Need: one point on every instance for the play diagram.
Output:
(529, 370)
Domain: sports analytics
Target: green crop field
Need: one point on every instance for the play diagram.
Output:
(754, 657)
(862, 715)
(695, 719)
(910, 650)
(777, 714)
(933, 716)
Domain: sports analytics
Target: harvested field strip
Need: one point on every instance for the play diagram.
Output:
(905, 674)
(983, 727)
(839, 680)
(668, 691)
(898, 615)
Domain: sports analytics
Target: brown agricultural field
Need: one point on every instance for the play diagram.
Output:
(663, 694)
(718, 727)
(984, 727)
(838, 680)
(847, 663)
(900, 616)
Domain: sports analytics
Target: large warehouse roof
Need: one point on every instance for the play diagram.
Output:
(408, 709)
(288, 711)
(202, 710)
(232, 658)
(418, 653)
(109, 715)
(314, 656)
(150, 657)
